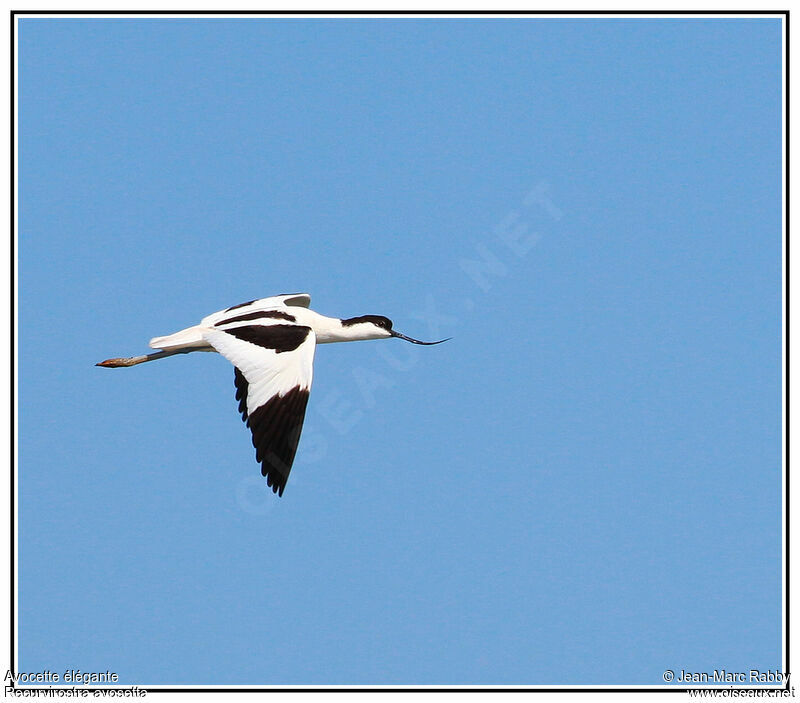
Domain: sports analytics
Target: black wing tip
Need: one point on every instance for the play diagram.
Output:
(274, 482)
(276, 428)
(241, 391)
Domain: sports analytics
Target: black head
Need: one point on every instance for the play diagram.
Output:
(377, 320)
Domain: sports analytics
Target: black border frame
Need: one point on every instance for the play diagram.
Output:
(544, 13)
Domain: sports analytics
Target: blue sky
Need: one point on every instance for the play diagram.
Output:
(582, 487)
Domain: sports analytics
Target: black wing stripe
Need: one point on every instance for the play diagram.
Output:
(240, 305)
(258, 315)
(276, 427)
(281, 338)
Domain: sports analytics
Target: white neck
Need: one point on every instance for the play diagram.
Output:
(331, 329)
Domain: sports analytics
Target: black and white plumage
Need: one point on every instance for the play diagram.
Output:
(271, 344)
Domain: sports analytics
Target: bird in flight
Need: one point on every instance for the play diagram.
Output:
(270, 343)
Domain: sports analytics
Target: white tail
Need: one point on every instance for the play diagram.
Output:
(188, 338)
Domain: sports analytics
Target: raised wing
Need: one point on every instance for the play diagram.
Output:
(273, 362)
(301, 300)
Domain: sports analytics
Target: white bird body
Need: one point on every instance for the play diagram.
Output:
(326, 329)
(271, 343)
